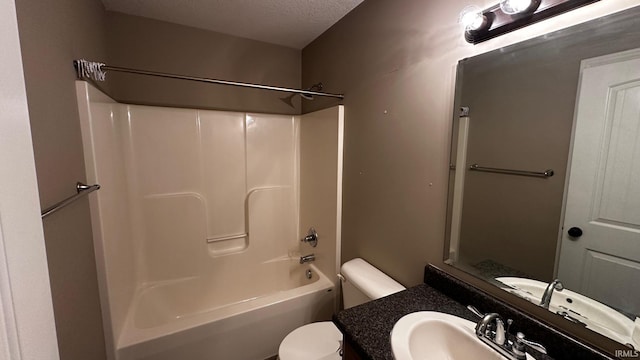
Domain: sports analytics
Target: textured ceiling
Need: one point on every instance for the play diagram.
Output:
(293, 23)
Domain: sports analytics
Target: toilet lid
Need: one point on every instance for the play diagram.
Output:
(317, 341)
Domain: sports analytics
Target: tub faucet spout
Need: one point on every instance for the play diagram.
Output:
(307, 258)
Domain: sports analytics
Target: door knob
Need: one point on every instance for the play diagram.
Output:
(575, 232)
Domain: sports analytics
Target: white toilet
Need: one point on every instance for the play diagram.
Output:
(322, 340)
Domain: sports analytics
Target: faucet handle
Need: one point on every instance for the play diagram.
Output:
(518, 346)
(311, 238)
(475, 311)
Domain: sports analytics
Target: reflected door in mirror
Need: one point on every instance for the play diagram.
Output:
(603, 198)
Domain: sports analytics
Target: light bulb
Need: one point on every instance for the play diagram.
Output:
(471, 18)
(512, 7)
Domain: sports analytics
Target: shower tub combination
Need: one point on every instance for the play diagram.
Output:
(196, 227)
(186, 319)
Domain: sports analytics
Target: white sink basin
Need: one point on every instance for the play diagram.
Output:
(597, 316)
(437, 336)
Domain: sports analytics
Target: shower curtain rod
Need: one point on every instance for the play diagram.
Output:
(96, 71)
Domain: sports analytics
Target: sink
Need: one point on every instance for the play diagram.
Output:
(595, 315)
(437, 336)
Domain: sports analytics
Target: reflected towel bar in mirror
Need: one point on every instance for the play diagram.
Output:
(82, 190)
(545, 174)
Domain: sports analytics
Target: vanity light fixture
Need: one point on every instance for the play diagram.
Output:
(510, 15)
(472, 19)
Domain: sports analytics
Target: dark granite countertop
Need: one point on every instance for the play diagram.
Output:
(367, 327)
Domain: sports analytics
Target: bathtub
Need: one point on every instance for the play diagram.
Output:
(195, 318)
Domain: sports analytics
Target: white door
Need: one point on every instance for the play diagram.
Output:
(603, 196)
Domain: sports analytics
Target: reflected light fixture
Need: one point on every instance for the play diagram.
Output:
(509, 15)
(512, 7)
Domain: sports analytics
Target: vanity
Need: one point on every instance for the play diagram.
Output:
(543, 223)
(367, 327)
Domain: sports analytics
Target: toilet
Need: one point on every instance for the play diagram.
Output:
(322, 340)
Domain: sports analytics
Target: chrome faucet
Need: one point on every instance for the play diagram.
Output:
(548, 292)
(490, 330)
(307, 258)
(485, 329)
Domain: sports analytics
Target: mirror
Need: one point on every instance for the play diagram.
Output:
(545, 172)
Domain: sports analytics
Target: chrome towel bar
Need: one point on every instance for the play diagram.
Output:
(82, 190)
(545, 174)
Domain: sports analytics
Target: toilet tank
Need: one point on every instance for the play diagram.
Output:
(363, 282)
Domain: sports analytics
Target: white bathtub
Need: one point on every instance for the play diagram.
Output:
(195, 318)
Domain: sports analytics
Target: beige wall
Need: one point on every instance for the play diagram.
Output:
(395, 62)
(137, 42)
(52, 34)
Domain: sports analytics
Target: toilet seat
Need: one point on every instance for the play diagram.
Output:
(316, 341)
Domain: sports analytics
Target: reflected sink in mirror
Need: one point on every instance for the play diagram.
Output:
(435, 336)
(577, 308)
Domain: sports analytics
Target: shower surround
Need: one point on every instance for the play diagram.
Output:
(196, 226)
